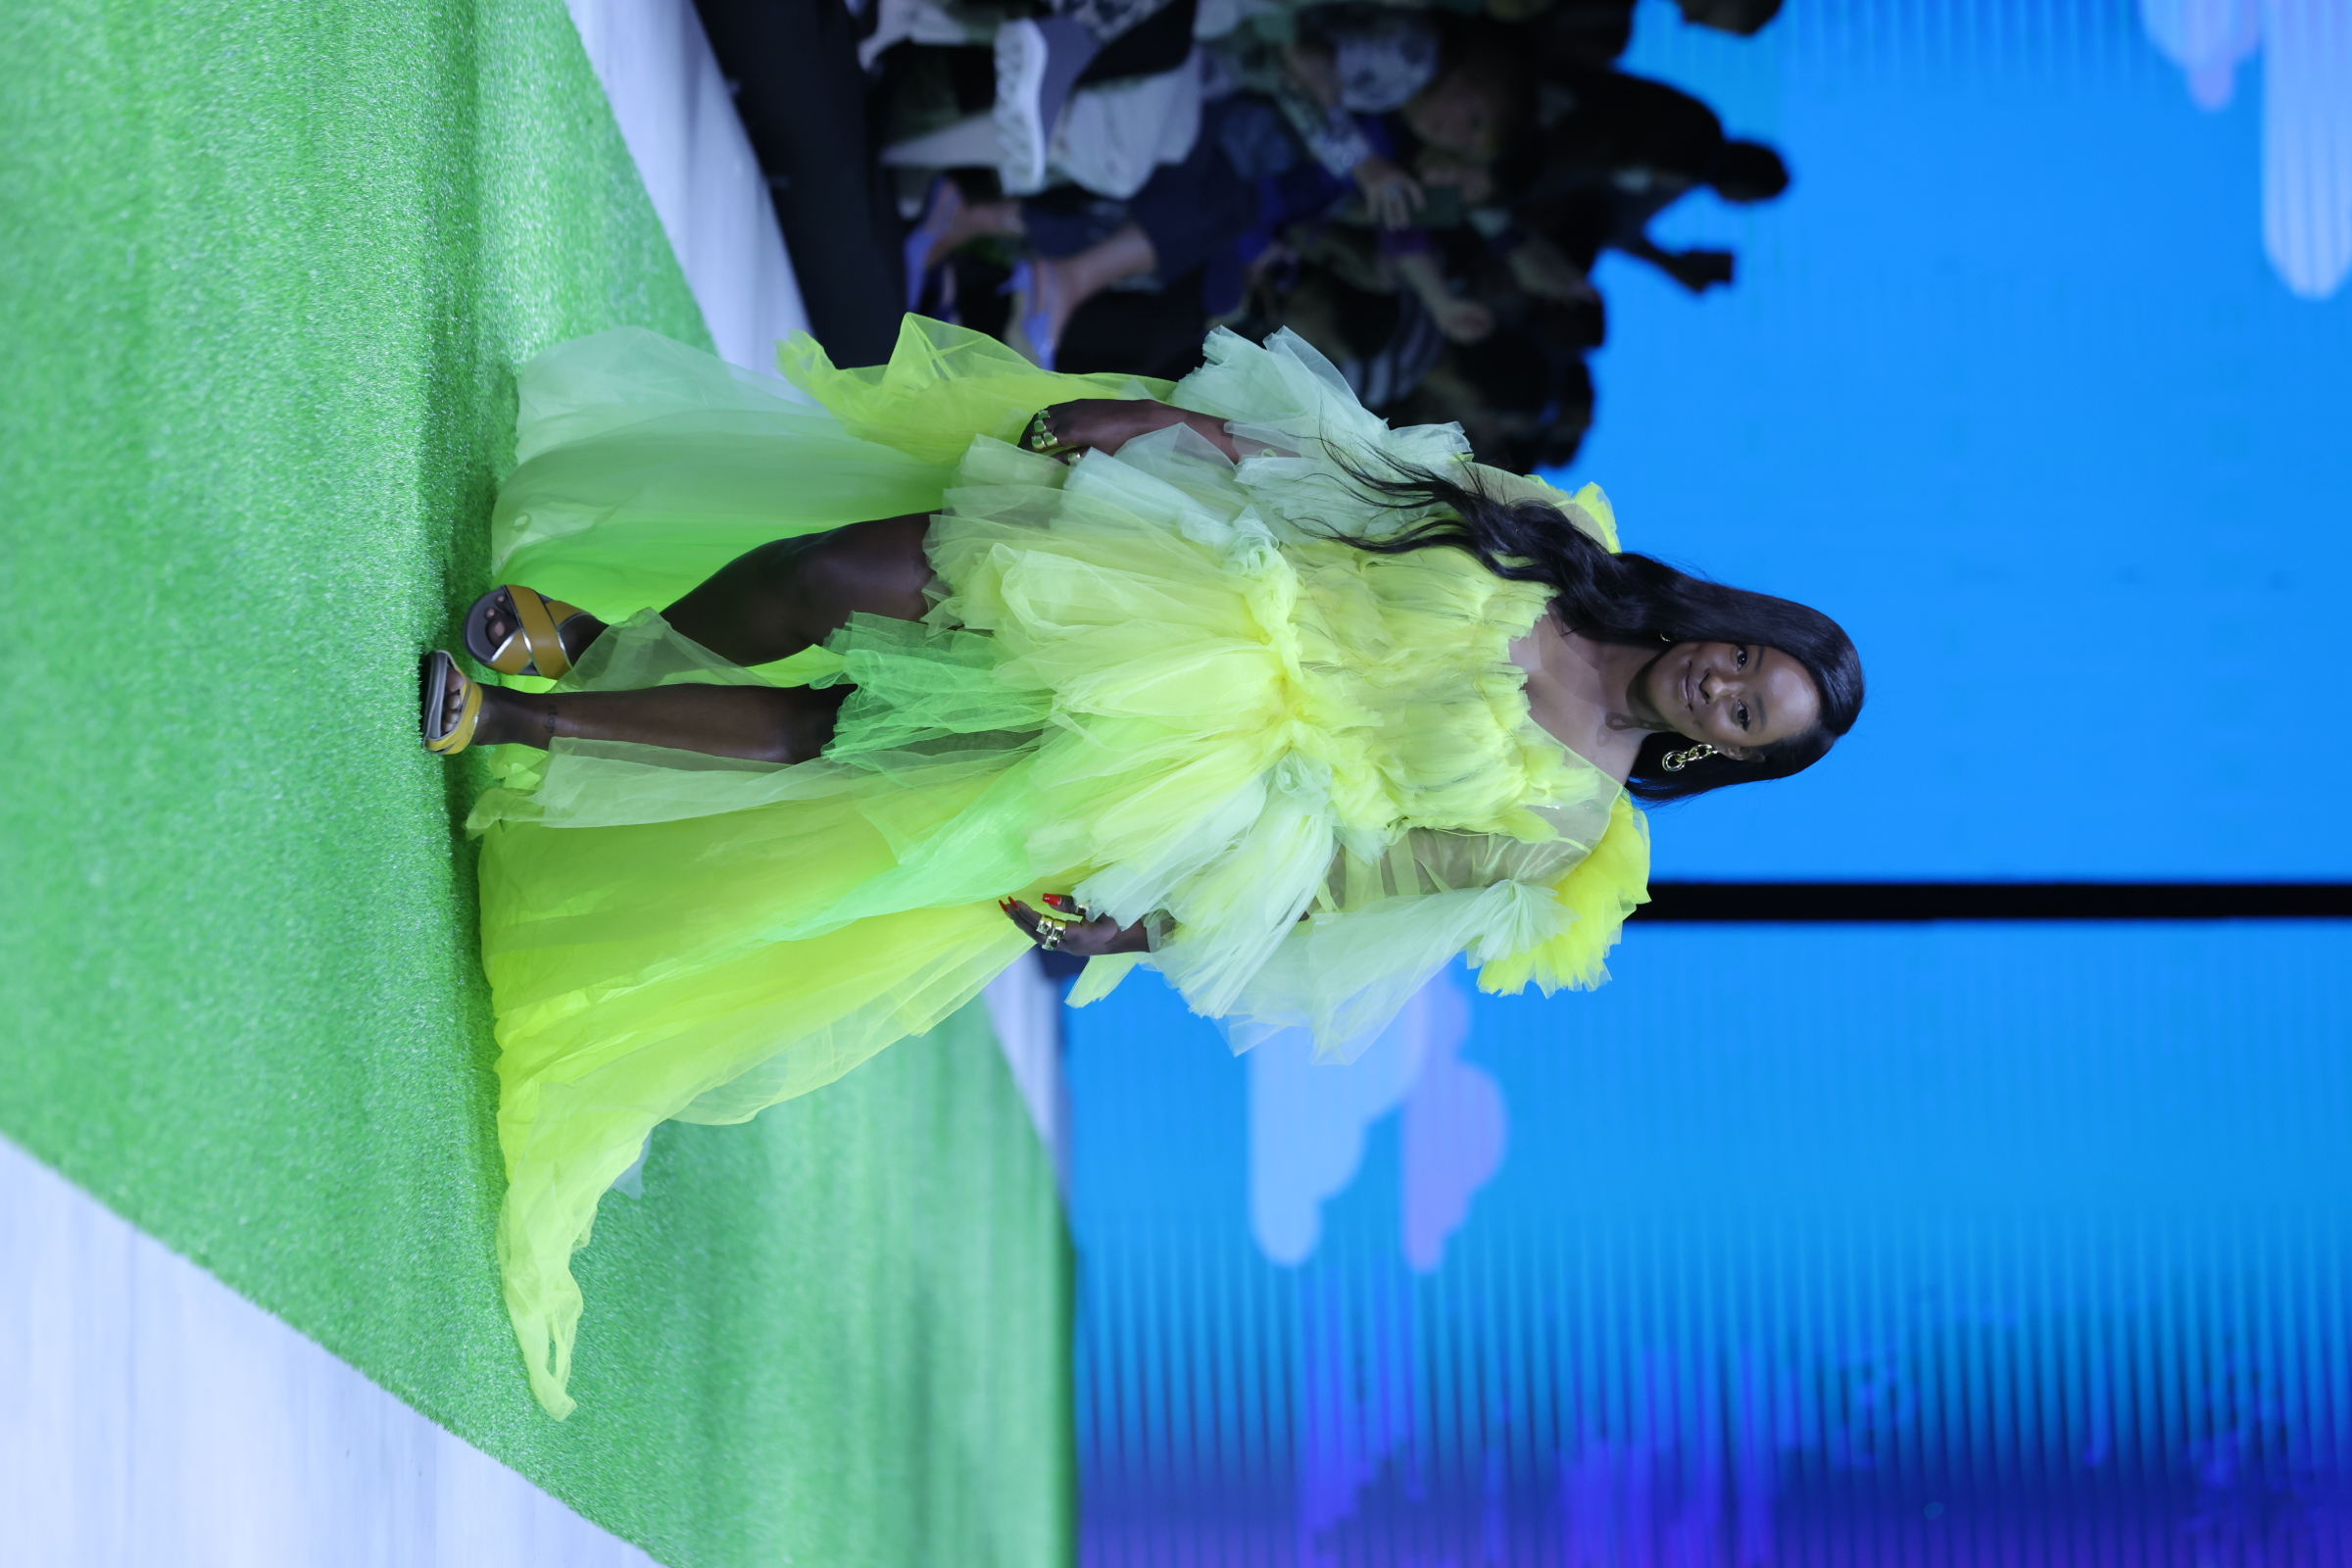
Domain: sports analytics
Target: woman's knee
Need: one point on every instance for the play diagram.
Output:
(879, 568)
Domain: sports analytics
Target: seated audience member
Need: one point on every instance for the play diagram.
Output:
(1522, 407)
(1063, 100)
(1325, 68)
(1225, 205)
(1382, 341)
(1457, 129)
(1418, 194)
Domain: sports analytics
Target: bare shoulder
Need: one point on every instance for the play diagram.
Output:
(1570, 695)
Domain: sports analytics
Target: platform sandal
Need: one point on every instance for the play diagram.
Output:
(534, 645)
(459, 735)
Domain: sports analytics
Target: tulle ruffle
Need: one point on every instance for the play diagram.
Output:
(943, 385)
(1152, 679)
(646, 465)
(1317, 445)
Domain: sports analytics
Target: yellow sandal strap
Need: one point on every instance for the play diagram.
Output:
(536, 619)
(461, 734)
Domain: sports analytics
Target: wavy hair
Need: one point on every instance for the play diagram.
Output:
(1635, 601)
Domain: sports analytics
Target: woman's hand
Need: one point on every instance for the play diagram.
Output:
(1070, 430)
(1538, 267)
(1084, 938)
(1393, 195)
(1472, 177)
(1463, 320)
(1066, 431)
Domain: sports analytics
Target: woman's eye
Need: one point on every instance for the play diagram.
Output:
(1742, 662)
(1742, 716)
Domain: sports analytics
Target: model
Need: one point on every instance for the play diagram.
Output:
(1225, 678)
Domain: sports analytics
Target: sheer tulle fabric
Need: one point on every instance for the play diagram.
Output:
(1149, 678)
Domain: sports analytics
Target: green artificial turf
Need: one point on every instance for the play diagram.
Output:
(266, 269)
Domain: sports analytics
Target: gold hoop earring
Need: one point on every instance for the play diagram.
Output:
(1676, 761)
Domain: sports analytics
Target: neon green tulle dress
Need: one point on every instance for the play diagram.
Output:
(1151, 679)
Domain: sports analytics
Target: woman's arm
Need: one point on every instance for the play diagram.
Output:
(1695, 270)
(1081, 939)
(1538, 267)
(1395, 197)
(1105, 424)
(1463, 320)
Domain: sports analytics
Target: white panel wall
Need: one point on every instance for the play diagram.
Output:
(1024, 1008)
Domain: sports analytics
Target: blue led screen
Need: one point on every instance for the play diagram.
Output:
(1939, 1245)
(2009, 384)
(1963, 1244)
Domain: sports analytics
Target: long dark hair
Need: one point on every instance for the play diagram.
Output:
(1633, 599)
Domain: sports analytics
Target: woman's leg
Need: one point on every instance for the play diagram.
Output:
(781, 598)
(765, 605)
(787, 595)
(1065, 282)
(764, 724)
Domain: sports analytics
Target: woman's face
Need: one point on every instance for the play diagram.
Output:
(1454, 116)
(1737, 696)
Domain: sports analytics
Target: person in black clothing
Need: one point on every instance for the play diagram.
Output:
(1522, 406)
(1223, 210)
(1382, 341)
(1593, 33)
(1476, 300)
(1624, 150)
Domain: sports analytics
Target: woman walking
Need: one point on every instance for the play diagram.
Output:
(1225, 678)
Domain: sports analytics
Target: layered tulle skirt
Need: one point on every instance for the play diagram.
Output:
(1135, 685)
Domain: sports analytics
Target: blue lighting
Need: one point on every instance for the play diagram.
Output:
(1939, 1244)
(1973, 1245)
(2008, 384)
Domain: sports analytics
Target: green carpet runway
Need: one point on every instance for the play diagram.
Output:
(268, 269)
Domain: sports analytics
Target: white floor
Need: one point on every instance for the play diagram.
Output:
(1025, 1009)
(152, 1418)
